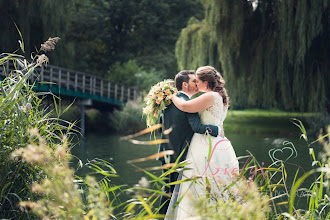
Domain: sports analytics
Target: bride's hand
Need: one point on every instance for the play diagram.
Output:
(174, 94)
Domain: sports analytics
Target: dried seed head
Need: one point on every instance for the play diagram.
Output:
(49, 44)
(144, 183)
(42, 59)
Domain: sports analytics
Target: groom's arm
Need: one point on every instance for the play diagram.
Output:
(198, 127)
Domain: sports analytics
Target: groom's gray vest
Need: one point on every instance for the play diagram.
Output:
(184, 126)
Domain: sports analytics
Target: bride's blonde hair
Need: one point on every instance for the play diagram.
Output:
(214, 80)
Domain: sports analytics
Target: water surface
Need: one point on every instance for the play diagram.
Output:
(266, 149)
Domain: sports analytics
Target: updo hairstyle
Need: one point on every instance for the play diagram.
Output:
(215, 81)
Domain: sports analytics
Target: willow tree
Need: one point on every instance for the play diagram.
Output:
(273, 56)
(37, 21)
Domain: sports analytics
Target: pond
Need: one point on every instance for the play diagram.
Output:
(266, 148)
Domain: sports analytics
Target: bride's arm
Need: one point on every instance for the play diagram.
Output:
(194, 105)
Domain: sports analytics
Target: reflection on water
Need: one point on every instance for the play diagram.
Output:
(265, 148)
(117, 152)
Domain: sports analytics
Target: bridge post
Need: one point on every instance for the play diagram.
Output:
(82, 109)
(122, 93)
(59, 78)
(116, 91)
(75, 82)
(101, 88)
(90, 84)
(109, 89)
(67, 80)
(42, 73)
(83, 103)
(94, 86)
(51, 75)
(84, 82)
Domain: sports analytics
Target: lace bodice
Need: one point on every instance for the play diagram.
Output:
(216, 114)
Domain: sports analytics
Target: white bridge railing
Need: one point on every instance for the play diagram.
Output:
(75, 80)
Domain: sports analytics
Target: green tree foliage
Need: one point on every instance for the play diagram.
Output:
(37, 20)
(272, 56)
(108, 32)
(131, 74)
(99, 33)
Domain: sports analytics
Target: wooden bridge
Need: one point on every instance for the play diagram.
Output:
(65, 82)
(90, 90)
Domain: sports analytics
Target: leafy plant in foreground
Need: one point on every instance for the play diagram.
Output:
(61, 196)
(20, 110)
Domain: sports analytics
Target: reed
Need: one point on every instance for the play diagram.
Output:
(21, 109)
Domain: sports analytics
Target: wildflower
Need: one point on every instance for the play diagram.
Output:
(49, 44)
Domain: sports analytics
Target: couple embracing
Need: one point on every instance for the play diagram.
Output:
(210, 171)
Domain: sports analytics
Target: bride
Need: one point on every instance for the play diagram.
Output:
(211, 168)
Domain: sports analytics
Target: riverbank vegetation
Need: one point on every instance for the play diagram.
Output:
(255, 121)
(249, 121)
(21, 109)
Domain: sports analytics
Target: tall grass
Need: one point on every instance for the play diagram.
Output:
(21, 110)
(62, 196)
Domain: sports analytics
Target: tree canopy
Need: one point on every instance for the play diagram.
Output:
(273, 56)
(96, 34)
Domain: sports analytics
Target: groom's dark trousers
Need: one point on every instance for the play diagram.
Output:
(184, 126)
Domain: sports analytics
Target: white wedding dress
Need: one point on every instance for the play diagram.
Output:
(215, 174)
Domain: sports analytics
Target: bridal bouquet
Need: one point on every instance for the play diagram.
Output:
(158, 98)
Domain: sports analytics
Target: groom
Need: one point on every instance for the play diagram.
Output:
(184, 126)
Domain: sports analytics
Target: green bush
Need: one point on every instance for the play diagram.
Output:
(129, 119)
(132, 75)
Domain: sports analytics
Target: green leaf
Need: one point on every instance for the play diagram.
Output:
(4, 188)
(21, 42)
(210, 146)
